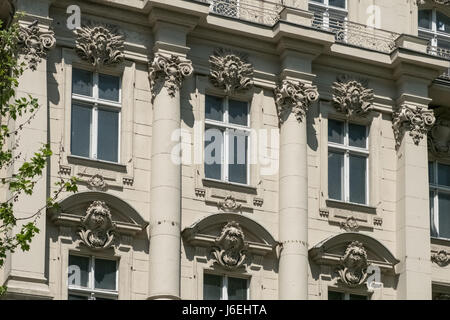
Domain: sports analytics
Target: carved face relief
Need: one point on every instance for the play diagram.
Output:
(439, 135)
(34, 43)
(353, 271)
(352, 97)
(441, 258)
(97, 227)
(230, 71)
(230, 247)
(100, 44)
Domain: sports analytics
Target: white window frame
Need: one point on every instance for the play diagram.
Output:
(434, 34)
(348, 150)
(224, 292)
(436, 189)
(91, 293)
(317, 7)
(95, 103)
(227, 126)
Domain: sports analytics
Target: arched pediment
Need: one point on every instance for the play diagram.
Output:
(72, 209)
(332, 250)
(207, 231)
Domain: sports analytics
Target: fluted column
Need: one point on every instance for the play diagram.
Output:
(293, 99)
(167, 72)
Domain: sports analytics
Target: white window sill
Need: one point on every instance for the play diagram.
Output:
(351, 206)
(88, 162)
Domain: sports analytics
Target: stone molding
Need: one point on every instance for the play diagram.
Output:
(230, 247)
(352, 97)
(100, 44)
(35, 43)
(168, 71)
(417, 120)
(230, 71)
(296, 97)
(97, 227)
(439, 135)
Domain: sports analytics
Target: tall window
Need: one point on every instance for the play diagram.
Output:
(90, 278)
(336, 295)
(226, 140)
(348, 157)
(329, 14)
(224, 288)
(435, 26)
(439, 176)
(96, 110)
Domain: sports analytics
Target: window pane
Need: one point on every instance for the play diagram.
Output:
(443, 175)
(78, 273)
(425, 19)
(237, 289)
(335, 175)
(212, 287)
(82, 82)
(357, 297)
(335, 131)
(333, 295)
(444, 215)
(443, 22)
(358, 179)
(237, 167)
(238, 112)
(213, 153)
(76, 297)
(357, 136)
(80, 137)
(108, 135)
(434, 232)
(108, 87)
(214, 108)
(431, 172)
(105, 274)
(337, 3)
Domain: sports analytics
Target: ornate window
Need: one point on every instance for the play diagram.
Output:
(439, 176)
(91, 278)
(348, 161)
(338, 295)
(329, 13)
(217, 287)
(435, 26)
(96, 112)
(227, 130)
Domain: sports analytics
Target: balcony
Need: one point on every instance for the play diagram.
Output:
(438, 45)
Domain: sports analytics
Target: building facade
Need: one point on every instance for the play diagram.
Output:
(238, 149)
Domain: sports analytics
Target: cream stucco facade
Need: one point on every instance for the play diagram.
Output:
(167, 224)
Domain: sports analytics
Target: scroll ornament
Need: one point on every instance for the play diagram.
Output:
(100, 44)
(34, 43)
(168, 71)
(230, 247)
(351, 97)
(417, 120)
(296, 97)
(97, 227)
(230, 71)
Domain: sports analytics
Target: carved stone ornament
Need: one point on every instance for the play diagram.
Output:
(229, 204)
(230, 248)
(417, 120)
(441, 258)
(294, 96)
(350, 224)
(97, 227)
(442, 2)
(439, 135)
(35, 43)
(168, 71)
(353, 270)
(97, 182)
(230, 71)
(100, 44)
(352, 97)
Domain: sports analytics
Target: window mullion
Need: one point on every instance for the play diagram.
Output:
(346, 164)
(94, 133)
(91, 274)
(434, 21)
(224, 288)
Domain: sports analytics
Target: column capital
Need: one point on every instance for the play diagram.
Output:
(416, 119)
(169, 71)
(294, 96)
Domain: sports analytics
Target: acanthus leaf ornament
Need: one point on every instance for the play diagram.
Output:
(353, 269)
(100, 44)
(229, 204)
(34, 43)
(230, 71)
(441, 258)
(97, 227)
(417, 120)
(296, 97)
(350, 224)
(168, 71)
(352, 97)
(230, 247)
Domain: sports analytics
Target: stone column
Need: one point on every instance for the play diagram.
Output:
(293, 99)
(411, 122)
(167, 72)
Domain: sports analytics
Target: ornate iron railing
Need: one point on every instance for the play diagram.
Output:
(443, 53)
